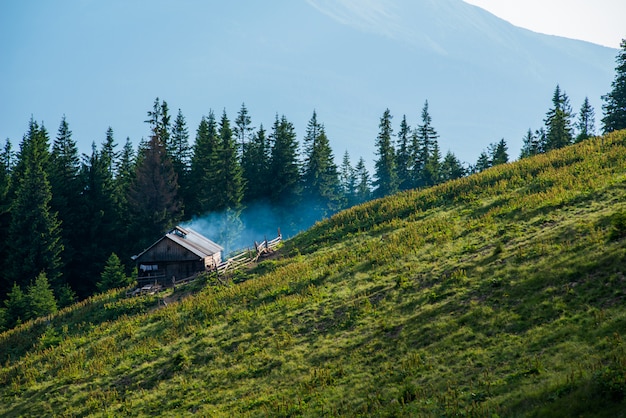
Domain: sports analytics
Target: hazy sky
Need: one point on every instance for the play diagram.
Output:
(598, 21)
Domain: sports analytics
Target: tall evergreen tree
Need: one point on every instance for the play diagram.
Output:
(451, 167)
(586, 121)
(6, 167)
(36, 141)
(204, 166)
(98, 234)
(432, 171)
(285, 192)
(347, 180)
(153, 195)
(363, 182)
(229, 173)
(530, 145)
(243, 127)
(67, 199)
(483, 162)
(320, 177)
(34, 230)
(123, 180)
(559, 121)
(255, 160)
(386, 176)
(424, 140)
(404, 159)
(499, 153)
(614, 107)
(180, 153)
(108, 154)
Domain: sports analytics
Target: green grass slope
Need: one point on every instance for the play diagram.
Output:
(500, 294)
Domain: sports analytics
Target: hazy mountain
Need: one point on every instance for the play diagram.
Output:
(348, 59)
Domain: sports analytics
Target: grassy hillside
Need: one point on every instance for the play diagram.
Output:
(500, 294)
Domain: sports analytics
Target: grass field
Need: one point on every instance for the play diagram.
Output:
(501, 294)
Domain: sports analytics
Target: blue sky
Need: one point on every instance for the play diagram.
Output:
(102, 63)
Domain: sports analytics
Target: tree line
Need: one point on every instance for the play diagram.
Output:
(67, 217)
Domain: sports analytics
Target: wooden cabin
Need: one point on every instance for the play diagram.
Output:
(179, 254)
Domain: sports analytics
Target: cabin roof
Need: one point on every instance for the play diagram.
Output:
(190, 240)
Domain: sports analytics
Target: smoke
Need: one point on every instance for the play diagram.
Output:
(257, 222)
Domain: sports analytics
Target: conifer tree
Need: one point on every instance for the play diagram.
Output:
(404, 158)
(108, 154)
(483, 162)
(35, 142)
(347, 180)
(284, 170)
(6, 165)
(498, 153)
(180, 153)
(123, 180)
(424, 140)
(243, 127)
(386, 176)
(586, 121)
(614, 107)
(558, 121)
(320, 177)
(113, 275)
(432, 171)
(153, 195)
(16, 306)
(102, 221)
(530, 145)
(255, 165)
(451, 167)
(363, 183)
(40, 298)
(34, 230)
(204, 166)
(67, 190)
(229, 173)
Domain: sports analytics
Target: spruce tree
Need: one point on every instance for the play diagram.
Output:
(16, 306)
(432, 171)
(6, 166)
(586, 121)
(451, 167)
(34, 230)
(284, 171)
(558, 121)
(40, 298)
(404, 158)
(153, 195)
(204, 166)
(243, 127)
(113, 275)
(320, 177)
(180, 153)
(386, 176)
(363, 183)
(483, 162)
(67, 201)
(424, 140)
(229, 173)
(347, 180)
(255, 165)
(614, 107)
(498, 153)
(103, 221)
(530, 145)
